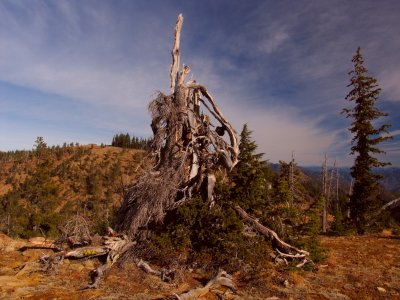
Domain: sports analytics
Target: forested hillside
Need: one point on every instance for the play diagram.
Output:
(43, 188)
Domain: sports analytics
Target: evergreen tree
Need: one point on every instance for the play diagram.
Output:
(364, 93)
(40, 148)
(42, 194)
(248, 179)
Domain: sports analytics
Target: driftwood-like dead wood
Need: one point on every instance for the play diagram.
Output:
(223, 279)
(113, 247)
(390, 205)
(176, 53)
(50, 263)
(164, 274)
(87, 252)
(188, 148)
(284, 249)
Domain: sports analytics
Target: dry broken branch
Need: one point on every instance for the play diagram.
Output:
(41, 243)
(76, 232)
(222, 279)
(284, 249)
(390, 205)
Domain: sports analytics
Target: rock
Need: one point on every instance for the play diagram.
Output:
(8, 244)
(332, 295)
(349, 287)
(381, 289)
(286, 283)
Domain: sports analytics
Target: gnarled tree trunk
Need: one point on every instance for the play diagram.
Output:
(187, 150)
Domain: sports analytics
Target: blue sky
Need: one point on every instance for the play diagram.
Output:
(82, 71)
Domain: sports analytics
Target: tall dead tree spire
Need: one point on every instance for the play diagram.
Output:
(291, 181)
(325, 193)
(176, 53)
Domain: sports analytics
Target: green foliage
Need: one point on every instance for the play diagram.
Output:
(213, 236)
(364, 92)
(40, 148)
(125, 141)
(311, 230)
(208, 236)
(50, 185)
(249, 186)
(339, 226)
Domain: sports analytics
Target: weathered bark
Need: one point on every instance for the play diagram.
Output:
(187, 150)
(388, 206)
(176, 53)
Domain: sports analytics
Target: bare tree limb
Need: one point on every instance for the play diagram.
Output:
(390, 205)
(222, 279)
(283, 248)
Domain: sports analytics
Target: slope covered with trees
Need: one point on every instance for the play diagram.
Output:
(43, 188)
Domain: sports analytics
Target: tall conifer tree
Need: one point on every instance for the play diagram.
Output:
(248, 175)
(364, 93)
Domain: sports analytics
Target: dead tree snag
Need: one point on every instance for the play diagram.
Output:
(188, 148)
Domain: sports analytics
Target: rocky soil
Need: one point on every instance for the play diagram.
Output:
(365, 267)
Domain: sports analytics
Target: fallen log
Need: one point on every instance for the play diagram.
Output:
(87, 252)
(41, 243)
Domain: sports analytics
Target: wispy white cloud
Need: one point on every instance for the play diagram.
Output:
(273, 41)
(282, 67)
(395, 132)
(87, 66)
(390, 83)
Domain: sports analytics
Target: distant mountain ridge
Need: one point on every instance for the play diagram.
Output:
(391, 176)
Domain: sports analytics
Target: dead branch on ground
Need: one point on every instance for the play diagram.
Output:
(285, 250)
(222, 280)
